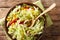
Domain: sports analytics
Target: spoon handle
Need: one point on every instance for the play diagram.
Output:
(47, 10)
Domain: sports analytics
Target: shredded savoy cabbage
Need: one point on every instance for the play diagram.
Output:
(20, 30)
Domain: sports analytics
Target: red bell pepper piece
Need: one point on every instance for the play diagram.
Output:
(13, 21)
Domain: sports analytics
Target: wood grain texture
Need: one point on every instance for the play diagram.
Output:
(3, 12)
(49, 2)
(55, 13)
(10, 3)
(50, 38)
(51, 33)
(3, 38)
(2, 33)
(1, 28)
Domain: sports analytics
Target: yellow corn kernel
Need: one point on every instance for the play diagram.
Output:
(8, 19)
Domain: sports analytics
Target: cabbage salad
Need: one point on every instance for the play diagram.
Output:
(20, 19)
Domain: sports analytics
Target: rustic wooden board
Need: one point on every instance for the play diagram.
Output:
(2, 33)
(50, 38)
(10, 3)
(3, 12)
(3, 38)
(51, 33)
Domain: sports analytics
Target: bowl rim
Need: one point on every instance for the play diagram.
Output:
(6, 29)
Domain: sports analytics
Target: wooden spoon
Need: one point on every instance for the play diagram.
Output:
(47, 10)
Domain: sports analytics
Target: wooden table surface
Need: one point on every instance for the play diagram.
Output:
(51, 33)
